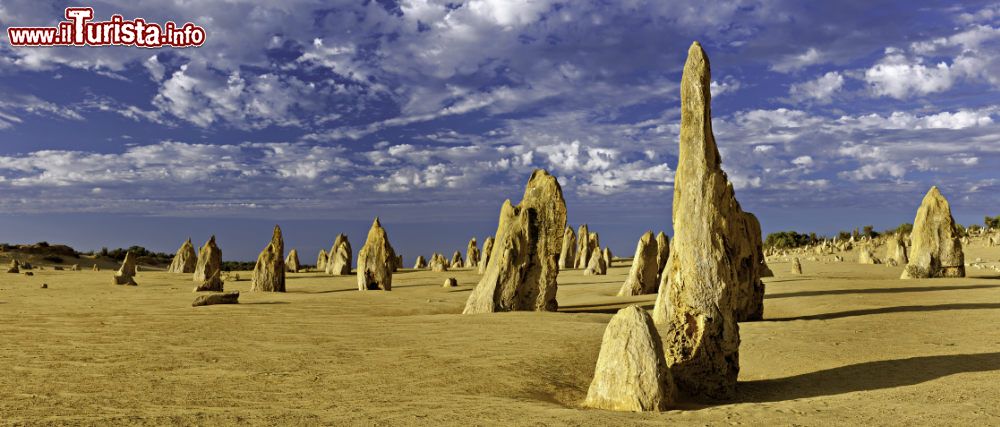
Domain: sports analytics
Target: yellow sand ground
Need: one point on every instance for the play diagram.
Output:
(844, 344)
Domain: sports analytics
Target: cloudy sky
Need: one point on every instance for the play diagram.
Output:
(319, 115)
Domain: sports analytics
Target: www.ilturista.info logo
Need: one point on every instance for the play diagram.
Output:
(77, 30)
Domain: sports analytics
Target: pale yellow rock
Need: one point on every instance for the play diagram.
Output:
(125, 274)
(523, 266)
(487, 250)
(696, 308)
(631, 374)
(608, 257)
(867, 256)
(450, 283)
(438, 263)
(421, 263)
(472, 254)
(292, 261)
(662, 254)
(935, 246)
(340, 257)
(321, 260)
(796, 266)
(582, 247)
(641, 278)
(206, 272)
(568, 253)
(376, 260)
(596, 266)
(456, 260)
(269, 272)
(185, 260)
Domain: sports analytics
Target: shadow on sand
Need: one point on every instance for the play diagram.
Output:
(604, 308)
(878, 291)
(866, 376)
(883, 310)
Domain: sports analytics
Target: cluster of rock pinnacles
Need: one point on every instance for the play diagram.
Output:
(706, 279)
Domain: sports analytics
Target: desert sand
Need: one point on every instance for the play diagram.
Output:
(844, 343)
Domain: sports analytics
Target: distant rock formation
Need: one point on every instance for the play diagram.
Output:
(487, 250)
(796, 266)
(895, 249)
(292, 261)
(696, 308)
(606, 254)
(662, 253)
(269, 272)
(420, 264)
(207, 271)
(582, 247)
(867, 256)
(450, 283)
(15, 267)
(631, 373)
(472, 254)
(321, 260)
(596, 266)
(340, 257)
(524, 263)
(185, 260)
(209, 261)
(749, 249)
(125, 274)
(438, 263)
(376, 260)
(641, 278)
(936, 249)
(568, 253)
(456, 260)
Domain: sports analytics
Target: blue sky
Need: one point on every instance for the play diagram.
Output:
(320, 115)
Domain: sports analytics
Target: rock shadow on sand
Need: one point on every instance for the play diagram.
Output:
(885, 310)
(866, 376)
(878, 291)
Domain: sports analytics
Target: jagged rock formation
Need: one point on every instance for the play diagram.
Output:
(696, 307)
(607, 257)
(456, 260)
(376, 260)
(124, 275)
(269, 272)
(596, 266)
(796, 266)
(209, 265)
(935, 246)
(212, 284)
(749, 298)
(472, 254)
(15, 267)
(321, 260)
(867, 256)
(96, 268)
(631, 373)
(420, 264)
(292, 261)
(582, 247)
(340, 257)
(185, 260)
(450, 283)
(895, 249)
(232, 297)
(568, 253)
(662, 254)
(642, 276)
(487, 250)
(438, 263)
(524, 264)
